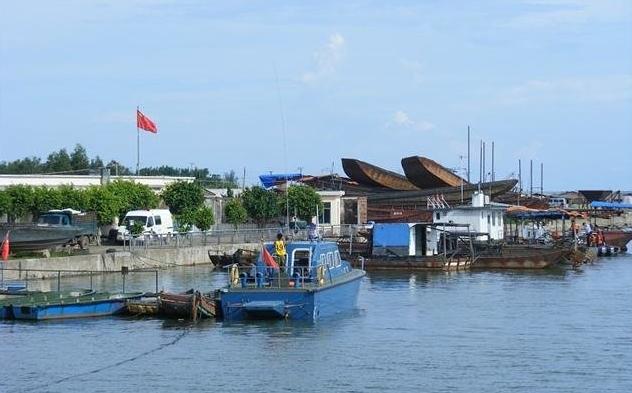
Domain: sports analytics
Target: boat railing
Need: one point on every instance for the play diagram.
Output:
(252, 276)
(69, 277)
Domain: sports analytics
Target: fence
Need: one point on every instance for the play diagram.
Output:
(238, 236)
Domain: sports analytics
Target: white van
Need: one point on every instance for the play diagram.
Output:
(558, 202)
(154, 221)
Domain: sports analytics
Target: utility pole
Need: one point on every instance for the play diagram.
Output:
(468, 153)
(520, 176)
(484, 168)
(493, 174)
(531, 178)
(542, 178)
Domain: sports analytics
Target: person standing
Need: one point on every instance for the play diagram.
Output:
(588, 233)
(279, 250)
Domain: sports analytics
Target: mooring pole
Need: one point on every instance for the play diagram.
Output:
(468, 154)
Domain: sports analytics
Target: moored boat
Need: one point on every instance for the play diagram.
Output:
(315, 283)
(8, 303)
(192, 305)
(92, 305)
(520, 257)
(618, 239)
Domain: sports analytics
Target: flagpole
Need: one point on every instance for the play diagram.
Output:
(137, 143)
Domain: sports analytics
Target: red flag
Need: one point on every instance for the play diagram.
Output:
(145, 122)
(4, 249)
(268, 259)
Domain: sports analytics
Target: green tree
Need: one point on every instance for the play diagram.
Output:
(132, 196)
(21, 201)
(185, 220)
(58, 161)
(204, 218)
(45, 199)
(79, 158)
(5, 203)
(73, 198)
(261, 205)
(183, 196)
(104, 203)
(96, 163)
(235, 212)
(303, 201)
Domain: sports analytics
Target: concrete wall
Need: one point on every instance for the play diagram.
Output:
(113, 262)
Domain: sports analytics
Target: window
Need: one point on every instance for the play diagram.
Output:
(337, 258)
(301, 259)
(150, 221)
(482, 215)
(488, 219)
(64, 220)
(158, 220)
(493, 218)
(325, 216)
(330, 259)
(438, 216)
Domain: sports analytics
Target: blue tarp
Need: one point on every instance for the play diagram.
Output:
(274, 178)
(610, 205)
(391, 235)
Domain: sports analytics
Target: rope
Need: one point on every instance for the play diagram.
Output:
(113, 365)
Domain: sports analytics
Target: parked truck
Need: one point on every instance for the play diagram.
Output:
(84, 223)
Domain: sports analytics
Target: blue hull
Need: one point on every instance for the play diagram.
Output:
(290, 303)
(63, 311)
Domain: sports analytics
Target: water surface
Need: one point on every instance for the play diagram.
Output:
(557, 330)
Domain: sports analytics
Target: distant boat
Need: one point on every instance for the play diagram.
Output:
(315, 283)
(617, 238)
(520, 257)
(426, 173)
(371, 175)
(92, 305)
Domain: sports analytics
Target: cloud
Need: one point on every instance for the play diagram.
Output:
(402, 120)
(415, 68)
(327, 59)
(601, 89)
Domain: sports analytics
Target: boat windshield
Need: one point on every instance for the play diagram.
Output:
(49, 220)
(130, 220)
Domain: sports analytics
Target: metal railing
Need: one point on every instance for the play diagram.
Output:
(219, 237)
(252, 276)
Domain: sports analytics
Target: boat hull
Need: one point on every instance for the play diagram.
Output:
(81, 307)
(305, 304)
(34, 238)
(426, 173)
(520, 259)
(617, 238)
(371, 175)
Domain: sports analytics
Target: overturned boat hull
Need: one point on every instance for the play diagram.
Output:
(371, 175)
(426, 173)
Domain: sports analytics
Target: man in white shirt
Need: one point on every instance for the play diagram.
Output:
(588, 232)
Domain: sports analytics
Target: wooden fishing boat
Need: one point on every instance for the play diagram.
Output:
(92, 305)
(191, 305)
(426, 173)
(520, 257)
(434, 262)
(371, 175)
(145, 305)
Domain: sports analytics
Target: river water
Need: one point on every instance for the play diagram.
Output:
(558, 330)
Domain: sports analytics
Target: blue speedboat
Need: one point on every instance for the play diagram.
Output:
(315, 283)
(90, 305)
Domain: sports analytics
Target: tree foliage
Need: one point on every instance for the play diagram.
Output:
(133, 196)
(235, 212)
(303, 201)
(204, 218)
(183, 196)
(79, 158)
(45, 199)
(21, 201)
(261, 204)
(105, 203)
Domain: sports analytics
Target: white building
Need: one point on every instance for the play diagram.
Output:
(482, 216)
(156, 183)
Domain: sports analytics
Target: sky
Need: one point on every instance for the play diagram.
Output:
(295, 86)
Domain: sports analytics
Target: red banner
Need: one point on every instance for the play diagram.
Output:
(145, 122)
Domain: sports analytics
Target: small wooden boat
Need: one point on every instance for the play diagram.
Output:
(192, 305)
(426, 173)
(145, 305)
(433, 262)
(92, 305)
(371, 175)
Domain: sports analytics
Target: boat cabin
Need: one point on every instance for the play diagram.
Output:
(482, 217)
(304, 257)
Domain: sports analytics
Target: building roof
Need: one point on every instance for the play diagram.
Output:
(83, 181)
